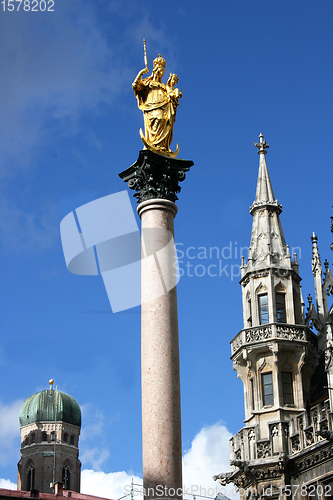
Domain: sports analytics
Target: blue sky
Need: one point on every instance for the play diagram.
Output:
(70, 124)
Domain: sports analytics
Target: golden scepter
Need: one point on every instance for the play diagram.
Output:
(145, 53)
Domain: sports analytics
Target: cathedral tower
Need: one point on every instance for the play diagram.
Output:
(50, 423)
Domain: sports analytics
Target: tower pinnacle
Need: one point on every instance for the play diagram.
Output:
(268, 245)
(262, 145)
(264, 194)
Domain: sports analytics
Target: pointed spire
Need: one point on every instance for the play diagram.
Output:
(264, 193)
(268, 246)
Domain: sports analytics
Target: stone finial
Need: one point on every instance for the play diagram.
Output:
(316, 262)
(262, 145)
(309, 300)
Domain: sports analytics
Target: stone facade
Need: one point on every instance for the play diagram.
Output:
(285, 448)
(50, 423)
(38, 448)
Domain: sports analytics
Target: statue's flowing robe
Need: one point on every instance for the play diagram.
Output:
(159, 112)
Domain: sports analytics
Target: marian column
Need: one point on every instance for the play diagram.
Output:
(155, 177)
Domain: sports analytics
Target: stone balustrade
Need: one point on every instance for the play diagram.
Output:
(272, 331)
(291, 437)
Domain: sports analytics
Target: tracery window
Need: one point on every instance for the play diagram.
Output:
(66, 476)
(31, 478)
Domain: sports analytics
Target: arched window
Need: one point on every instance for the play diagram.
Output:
(65, 437)
(280, 307)
(53, 436)
(72, 439)
(31, 478)
(44, 436)
(33, 437)
(26, 441)
(66, 476)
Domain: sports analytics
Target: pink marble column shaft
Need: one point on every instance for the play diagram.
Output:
(161, 415)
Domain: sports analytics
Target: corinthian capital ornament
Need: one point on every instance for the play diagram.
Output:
(159, 103)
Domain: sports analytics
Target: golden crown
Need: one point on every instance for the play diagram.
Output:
(159, 61)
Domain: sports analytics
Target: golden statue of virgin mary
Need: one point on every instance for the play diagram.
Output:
(159, 104)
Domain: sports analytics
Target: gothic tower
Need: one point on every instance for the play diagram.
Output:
(275, 354)
(50, 423)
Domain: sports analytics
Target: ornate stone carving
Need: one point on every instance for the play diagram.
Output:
(309, 437)
(264, 449)
(260, 274)
(290, 333)
(328, 355)
(269, 203)
(260, 333)
(237, 343)
(281, 273)
(285, 426)
(245, 281)
(313, 458)
(223, 478)
(280, 287)
(155, 176)
(326, 434)
(251, 435)
(295, 443)
(315, 419)
(274, 431)
(261, 288)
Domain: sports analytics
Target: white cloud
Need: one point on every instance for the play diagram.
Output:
(7, 484)
(9, 432)
(93, 426)
(95, 457)
(207, 456)
(113, 485)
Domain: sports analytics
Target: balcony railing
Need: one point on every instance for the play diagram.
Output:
(290, 437)
(271, 331)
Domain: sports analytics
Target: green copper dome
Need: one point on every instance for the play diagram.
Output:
(41, 408)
